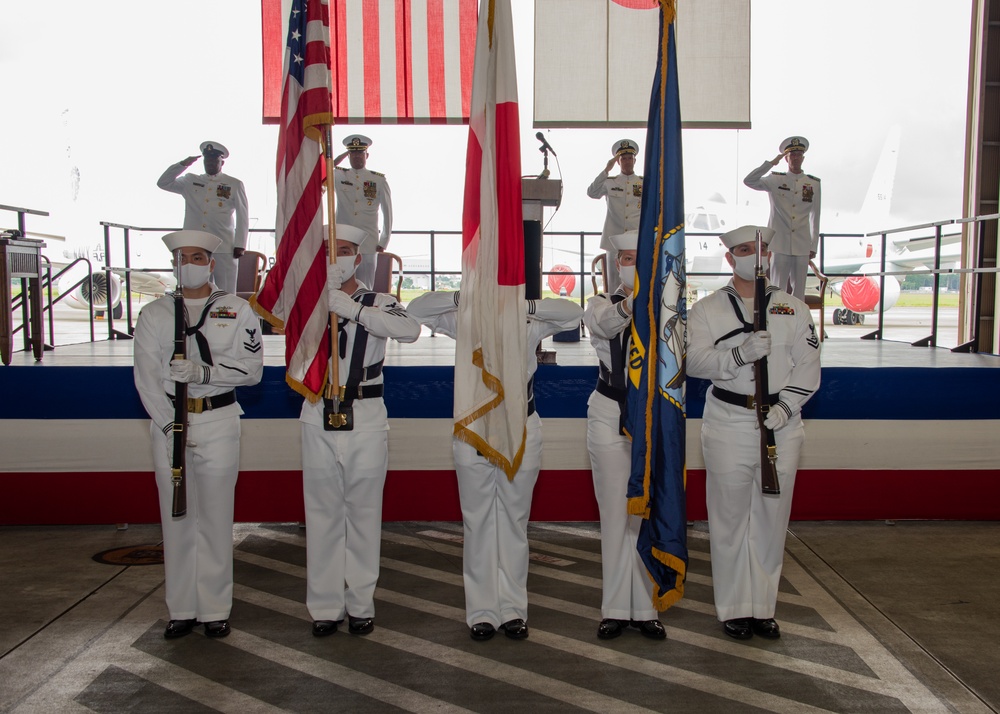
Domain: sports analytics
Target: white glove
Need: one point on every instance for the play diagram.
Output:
(628, 304)
(755, 346)
(334, 277)
(342, 304)
(184, 370)
(777, 416)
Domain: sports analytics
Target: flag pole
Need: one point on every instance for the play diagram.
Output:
(333, 388)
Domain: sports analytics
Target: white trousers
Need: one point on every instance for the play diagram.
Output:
(495, 519)
(788, 272)
(198, 547)
(628, 591)
(224, 274)
(746, 527)
(343, 475)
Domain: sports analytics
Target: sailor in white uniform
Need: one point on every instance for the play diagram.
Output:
(795, 200)
(344, 465)
(224, 351)
(494, 508)
(361, 195)
(216, 203)
(746, 527)
(628, 590)
(623, 194)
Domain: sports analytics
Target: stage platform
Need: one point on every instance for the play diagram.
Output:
(895, 432)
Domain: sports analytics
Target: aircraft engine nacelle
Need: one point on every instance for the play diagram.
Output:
(860, 293)
(82, 295)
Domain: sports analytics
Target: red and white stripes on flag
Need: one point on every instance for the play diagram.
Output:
(294, 294)
(394, 61)
(490, 355)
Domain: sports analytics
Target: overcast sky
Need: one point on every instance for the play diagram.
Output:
(99, 98)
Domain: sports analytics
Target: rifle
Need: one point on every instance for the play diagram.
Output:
(768, 450)
(178, 467)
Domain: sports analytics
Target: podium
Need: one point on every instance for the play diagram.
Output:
(536, 195)
(21, 258)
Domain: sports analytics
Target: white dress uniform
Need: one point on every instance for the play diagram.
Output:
(628, 590)
(624, 198)
(795, 200)
(746, 527)
(198, 547)
(361, 195)
(217, 205)
(343, 473)
(494, 508)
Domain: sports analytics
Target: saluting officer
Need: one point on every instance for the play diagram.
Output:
(794, 215)
(746, 527)
(216, 203)
(495, 509)
(623, 193)
(224, 351)
(361, 195)
(628, 589)
(344, 467)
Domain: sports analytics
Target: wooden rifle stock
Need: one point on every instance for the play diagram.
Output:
(768, 450)
(178, 467)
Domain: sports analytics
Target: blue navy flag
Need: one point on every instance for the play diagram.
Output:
(655, 418)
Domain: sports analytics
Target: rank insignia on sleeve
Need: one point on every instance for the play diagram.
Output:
(223, 313)
(252, 344)
(812, 340)
(371, 189)
(781, 308)
(224, 191)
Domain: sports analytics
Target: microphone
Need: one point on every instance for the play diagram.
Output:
(545, 145)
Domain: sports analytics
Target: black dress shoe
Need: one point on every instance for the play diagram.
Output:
(515, 629)
(738, 628)
(482, 631)
(324, 628)
(609, 629)
(766, 628)
(360, 625)
(179, 628)
(653, 629)
(217, 628)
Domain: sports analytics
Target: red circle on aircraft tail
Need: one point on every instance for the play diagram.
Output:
(565, 279)
(860, 293)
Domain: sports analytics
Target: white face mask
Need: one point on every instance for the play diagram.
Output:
(346, 263)
(194, 276)
(745, 266)
(627, 274)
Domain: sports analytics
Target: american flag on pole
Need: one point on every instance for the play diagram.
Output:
(655, 416)
(490, 370)
(294, 294)
(394, 61)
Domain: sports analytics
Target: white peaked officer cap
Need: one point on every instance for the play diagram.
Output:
(357, 142)
(625, 241)
(192, 239)
(349, 234)
(624, 146)
(794, 143)
(215, 148)
(746, 234)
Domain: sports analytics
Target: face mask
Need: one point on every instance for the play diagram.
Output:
(346, 263)
(194, 276)
(745, 266)
(627, 274)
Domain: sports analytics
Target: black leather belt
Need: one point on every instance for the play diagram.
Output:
(370, 391)
(741, 400)
(197, 405)
(613, 393)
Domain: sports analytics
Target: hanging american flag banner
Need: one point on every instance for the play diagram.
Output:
(394, 61)
(490, 373)
(294, 294)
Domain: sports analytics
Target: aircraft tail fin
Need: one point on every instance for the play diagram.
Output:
(878, 200)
